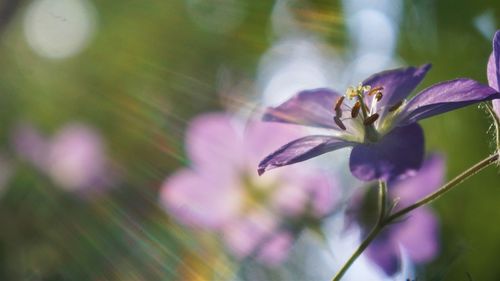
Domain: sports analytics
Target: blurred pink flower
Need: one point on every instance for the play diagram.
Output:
(221, 191)
(74, 158)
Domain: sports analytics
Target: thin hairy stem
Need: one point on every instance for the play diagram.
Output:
(382, 203)
(447, 187)
(496, 123)
(382, 200)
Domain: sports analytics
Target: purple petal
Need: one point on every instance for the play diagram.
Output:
(399, 153)
(309, 108)
(418, 235)
(300, 150)
(384, 252)
(493, 70)
(397, 83)
(493, 67)
(427, 180)
(496, 107)
(213, 144)
(445, 96)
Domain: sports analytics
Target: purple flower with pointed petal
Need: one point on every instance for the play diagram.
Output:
(222, 194)
(418, 233)
(493, 70)
(374, 118)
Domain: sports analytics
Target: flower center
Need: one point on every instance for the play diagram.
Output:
(257, 193)
(360, 112)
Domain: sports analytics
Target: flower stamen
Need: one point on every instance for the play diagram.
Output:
(337, 107)
(395, 106)
(355, 109)
(371, 119)
(351, 92)
(339, 123)
(375, 90)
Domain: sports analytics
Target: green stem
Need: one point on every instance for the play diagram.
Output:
(447, 187)
(384, 220)
(382, 200)
(382, 203)
(372, 235)
(364, 109)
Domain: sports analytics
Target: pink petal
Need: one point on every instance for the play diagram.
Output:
(275, 251)
(213, 143)
(244, 235)
(324, 194)
(76, 157)
(201, 201)
(263, 137)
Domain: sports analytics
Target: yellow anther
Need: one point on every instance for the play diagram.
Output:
(351, 92)
(366, 89)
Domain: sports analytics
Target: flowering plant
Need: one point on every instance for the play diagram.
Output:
(378, 123)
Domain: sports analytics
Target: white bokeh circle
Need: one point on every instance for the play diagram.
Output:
(59, 28)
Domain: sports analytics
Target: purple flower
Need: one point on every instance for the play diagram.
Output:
(221, 193)
(493, 70)
(374, 118)
(418, 233)
(74, 158)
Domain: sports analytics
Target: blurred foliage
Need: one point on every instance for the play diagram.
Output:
(148, 70)
(457, 49)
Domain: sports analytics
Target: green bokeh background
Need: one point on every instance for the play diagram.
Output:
(147, 71)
